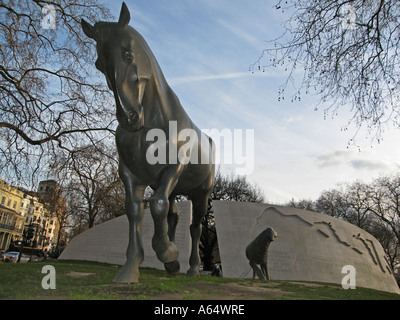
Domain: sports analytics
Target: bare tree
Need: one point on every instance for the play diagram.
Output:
(347, 52)
(389, 242)
(305, 204)
(92, 176)
(332, 202)
(374, 207)
(235, 188)
(49, 97)
(357, 198)
(385, 203)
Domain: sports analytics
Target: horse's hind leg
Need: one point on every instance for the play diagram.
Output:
(199, 210)
(199, 199)
(172, 219)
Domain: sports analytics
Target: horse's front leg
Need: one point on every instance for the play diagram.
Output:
(134, 210)
(173, 217)
(166, 250)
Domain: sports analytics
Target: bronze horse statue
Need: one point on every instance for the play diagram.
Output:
(144, 102)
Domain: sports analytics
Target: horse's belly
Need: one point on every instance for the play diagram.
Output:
(192, 177)
(148, 160)
(132, 149)
(145, 173)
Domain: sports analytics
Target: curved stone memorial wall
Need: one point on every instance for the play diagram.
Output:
(108, 241)
(310, 246)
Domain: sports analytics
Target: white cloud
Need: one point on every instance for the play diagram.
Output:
(291, 119)
(332, 159)
(359, 161)
(196, 78)
(223, 76)
(373, 165)
(240, 32)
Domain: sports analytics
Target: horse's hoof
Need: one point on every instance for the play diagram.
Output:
(169, 255)
(172, 267)
(127, 274)
(193, 273)
(126, 278)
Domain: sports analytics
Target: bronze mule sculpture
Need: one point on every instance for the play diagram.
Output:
(257, 253)
(144, 101)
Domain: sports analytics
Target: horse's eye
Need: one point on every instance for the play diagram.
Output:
(129, 56)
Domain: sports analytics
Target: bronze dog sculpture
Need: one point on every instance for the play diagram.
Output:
(144, 102)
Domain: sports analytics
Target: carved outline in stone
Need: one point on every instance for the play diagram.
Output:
(370, 248)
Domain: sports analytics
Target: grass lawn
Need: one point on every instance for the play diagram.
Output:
(79, 280)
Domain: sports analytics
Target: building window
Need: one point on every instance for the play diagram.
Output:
(3, 200)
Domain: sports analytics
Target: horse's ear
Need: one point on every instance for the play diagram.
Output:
(88, 29)
(124, 16)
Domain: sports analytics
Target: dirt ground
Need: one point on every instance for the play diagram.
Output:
(229, 291)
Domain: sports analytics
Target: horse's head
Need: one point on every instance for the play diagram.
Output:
(125, 64)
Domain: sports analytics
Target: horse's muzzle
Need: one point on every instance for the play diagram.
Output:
(134, 120)
(133, 117)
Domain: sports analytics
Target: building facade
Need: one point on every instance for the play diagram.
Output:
(12, 222)
(29, 219)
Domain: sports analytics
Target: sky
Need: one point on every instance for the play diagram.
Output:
(205, 48)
